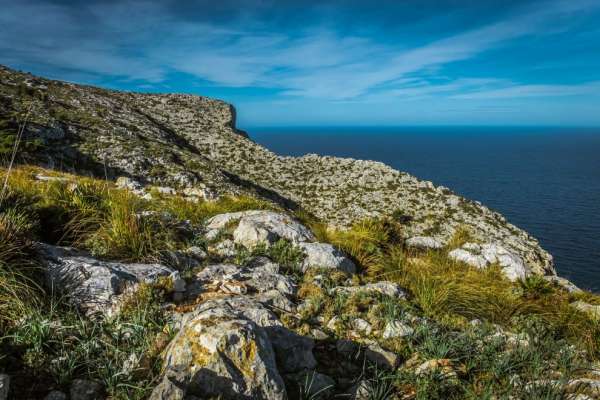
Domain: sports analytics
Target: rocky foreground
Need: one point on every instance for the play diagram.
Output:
(230, 340)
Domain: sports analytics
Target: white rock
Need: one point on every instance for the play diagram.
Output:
(91, 284)
(231, 358)
(235, 332)
(381, 357)
(281, 225)
(45, 178)
(250, 234)
(361, 326)
(165, 190)
(482, 256)
(324, 255)
(468, 258)
(424, 243)
(260, 276)
(333, 323)
(395, 329)
(226, 248)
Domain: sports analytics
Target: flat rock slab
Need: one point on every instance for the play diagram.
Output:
(94, 285)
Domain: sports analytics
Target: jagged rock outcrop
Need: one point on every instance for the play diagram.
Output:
(97, 286)
(234, 346)
(190, 141)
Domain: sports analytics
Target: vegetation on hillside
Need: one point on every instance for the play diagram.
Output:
(459, 312)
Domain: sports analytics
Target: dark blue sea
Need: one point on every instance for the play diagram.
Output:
(544, 180)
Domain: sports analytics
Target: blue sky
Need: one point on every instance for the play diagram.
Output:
(309, 63)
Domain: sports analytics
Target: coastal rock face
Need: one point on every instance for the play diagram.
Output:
(191, 142)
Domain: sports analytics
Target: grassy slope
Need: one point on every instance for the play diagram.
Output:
(43, 337)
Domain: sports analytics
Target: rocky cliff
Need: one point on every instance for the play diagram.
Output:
(192, 141)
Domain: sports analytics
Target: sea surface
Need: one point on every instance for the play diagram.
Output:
(544, 180)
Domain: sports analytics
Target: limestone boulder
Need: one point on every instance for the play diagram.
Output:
(225, 357)
(324, 255)
(484, 255)
(94, 285)
(259, 226)
(235, 348)
(395, 329)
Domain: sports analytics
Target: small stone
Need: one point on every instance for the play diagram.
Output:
(323, 255)
(226, 248)
(124, 182)
(318, 334)
(383, 287)
(396, 329)
(443, 365)
(82, 389)
(165, 190)
(382, 358)
(197, 252)
(362, 326)
(333, 323)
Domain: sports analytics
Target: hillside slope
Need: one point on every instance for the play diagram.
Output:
(192, 141)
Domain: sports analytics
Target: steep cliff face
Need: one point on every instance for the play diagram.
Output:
(191, 141)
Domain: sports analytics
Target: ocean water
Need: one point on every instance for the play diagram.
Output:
(546, 181)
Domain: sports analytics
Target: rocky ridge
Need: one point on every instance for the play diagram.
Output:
(191, 143)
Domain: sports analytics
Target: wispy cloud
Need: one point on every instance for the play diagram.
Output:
(143, 41)
(524, 91)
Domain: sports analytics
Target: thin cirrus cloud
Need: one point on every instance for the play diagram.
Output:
(323, 64)
(133, 44)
